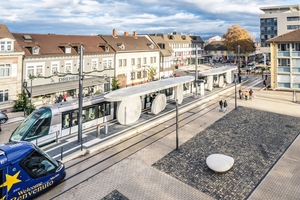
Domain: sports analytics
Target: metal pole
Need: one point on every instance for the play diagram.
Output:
(176, 124)
(79, 117)
(235, 91)
(239, 69)
(30, 95)
(196, 71)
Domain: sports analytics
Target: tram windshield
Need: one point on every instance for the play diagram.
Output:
(35, 125)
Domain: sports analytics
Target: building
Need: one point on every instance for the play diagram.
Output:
(285, 65)
(134, 57)
(166, 68)
(51, 64)
(215, 38)
(277, 20)
(11, 55)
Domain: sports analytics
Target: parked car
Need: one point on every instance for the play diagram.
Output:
(3, 118)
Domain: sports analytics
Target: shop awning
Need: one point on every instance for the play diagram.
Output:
(64, 86)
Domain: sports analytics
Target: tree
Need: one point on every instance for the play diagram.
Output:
(238, 36)
(151, 73)
(115, 83)
(23, 103)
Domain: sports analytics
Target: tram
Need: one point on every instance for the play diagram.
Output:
(26, 171)
(51, 122)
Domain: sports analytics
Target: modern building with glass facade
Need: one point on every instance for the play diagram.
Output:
(277, 20)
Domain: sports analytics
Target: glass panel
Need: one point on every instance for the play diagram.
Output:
(74, 118)
(66, 121)
(37, 165)
(39, 118)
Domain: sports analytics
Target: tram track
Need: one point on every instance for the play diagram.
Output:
(84, 168)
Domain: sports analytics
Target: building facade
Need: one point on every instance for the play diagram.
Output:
(11, 55)
(51, 65)
(285, 65)
(134, 56)
(277, 20)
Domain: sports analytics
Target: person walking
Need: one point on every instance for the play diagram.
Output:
(65, 97)
(250, 94)
(225, 105)
(221, 105)
(240, 93)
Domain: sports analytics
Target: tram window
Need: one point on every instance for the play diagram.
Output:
(66, 121)
(101, 110)
(88, 114)
(37, 165)
(107, 109)
(74, 118)
(40, 128)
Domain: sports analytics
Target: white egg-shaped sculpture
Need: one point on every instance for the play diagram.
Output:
(219, 162)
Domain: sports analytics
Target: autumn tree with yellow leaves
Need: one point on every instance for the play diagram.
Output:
(238, 36)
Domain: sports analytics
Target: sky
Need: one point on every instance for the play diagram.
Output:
(205, 18)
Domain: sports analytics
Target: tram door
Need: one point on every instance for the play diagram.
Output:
(66, 124)
(147, 101)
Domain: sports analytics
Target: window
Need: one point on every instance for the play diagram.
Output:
(4, 95)
(144, 60)
(4, 70)
(37, 165)
(103, 109)
(120, 63)
(107, 87)
(283, 47)
(109, 64)
(74, 118)
(68, 50)
(104, 64)
(66, 121)
(95, 64)
(284, 62)
(88, 114)
(68, 67)
(132, 61)
(292, 27)
(54, 67)
(139, 75)
(293, 18)
(6, 46)
(35, 50)
(139, 62)
(35, 69)
(132, 75)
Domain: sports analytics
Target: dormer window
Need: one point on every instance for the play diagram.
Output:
(183, 37)
(106, 48)
(161, 45)
(150, 45)
(68, 50)
(121, 46)
(35, 50)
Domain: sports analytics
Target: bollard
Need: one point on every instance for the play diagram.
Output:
(106, 128)
(294, 96)
(98, 130)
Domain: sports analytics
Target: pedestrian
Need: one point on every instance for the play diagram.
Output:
(60, 98)
(240, 93)
(265, 84)
(246, 94)
(221, 105)
(65, 97)
(266, 76)
(225, 105)
(250, 93)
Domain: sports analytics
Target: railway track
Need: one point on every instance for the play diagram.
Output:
(82, 169)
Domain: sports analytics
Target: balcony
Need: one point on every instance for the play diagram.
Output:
(296, 54)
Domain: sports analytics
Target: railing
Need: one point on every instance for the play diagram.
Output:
(283, 54)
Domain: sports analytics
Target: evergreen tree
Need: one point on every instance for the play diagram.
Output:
(23, 103)
(115, 83)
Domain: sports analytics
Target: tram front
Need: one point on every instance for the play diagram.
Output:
(35, 128)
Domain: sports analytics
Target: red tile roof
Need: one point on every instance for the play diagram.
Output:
(53, 45)
(293, 36)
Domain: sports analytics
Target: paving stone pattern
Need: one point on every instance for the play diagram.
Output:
(255, 139)
(115, 195)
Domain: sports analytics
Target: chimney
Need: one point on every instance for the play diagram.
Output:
(126, 34)
(134, 33)
(114, 33)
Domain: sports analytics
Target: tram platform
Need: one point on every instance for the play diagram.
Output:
(140, 176)
(98, 138)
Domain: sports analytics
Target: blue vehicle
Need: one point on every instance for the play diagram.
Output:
(26, 171)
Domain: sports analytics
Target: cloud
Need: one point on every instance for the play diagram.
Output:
(207, 18)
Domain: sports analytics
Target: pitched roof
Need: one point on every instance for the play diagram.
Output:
(167, 50)
(215, 45)
(53, 45)
(125, 43)
(176, 38)
(5, 33)
(293, 36)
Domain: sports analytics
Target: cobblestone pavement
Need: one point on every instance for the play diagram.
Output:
(258, 135)
(255, 139)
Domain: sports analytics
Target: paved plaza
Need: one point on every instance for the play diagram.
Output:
(261, 135)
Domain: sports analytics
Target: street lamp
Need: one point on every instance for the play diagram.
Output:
(196, 71)
(235, 91)
(239, 65)
(176, 124)
(79, 117)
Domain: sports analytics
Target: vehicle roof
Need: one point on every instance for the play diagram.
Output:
(12, 152)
